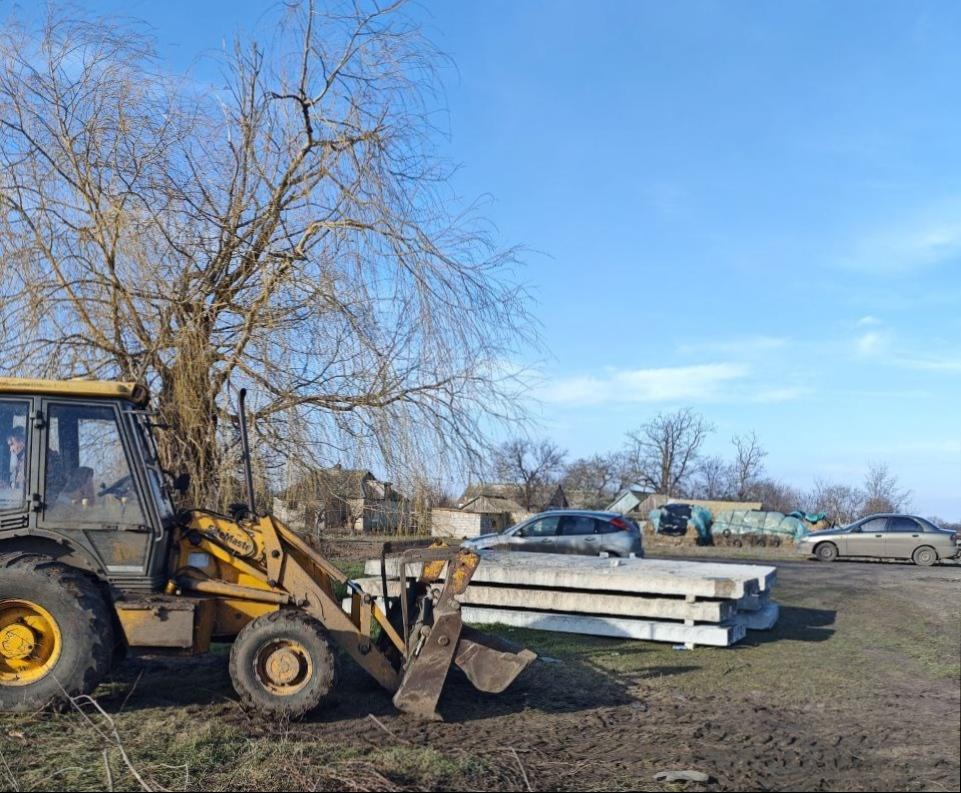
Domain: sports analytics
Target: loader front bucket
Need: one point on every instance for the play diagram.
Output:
(438, 638)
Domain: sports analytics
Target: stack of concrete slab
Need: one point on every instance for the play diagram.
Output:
(691, 603)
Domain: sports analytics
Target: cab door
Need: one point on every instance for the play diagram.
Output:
(90, 488)
(16, 468)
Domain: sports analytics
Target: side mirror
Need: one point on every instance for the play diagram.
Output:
(181, 483)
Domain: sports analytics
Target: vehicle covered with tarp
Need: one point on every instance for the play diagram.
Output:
(678, 520)
(734, 524)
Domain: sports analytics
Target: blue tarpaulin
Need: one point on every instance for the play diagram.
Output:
(758, 522)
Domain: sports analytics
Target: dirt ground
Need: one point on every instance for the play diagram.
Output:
(857, 688)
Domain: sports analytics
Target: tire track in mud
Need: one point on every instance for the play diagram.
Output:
(742, 743)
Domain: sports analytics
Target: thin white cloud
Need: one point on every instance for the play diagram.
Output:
(875, 343)
(869, 344)
(704, 382)
(915, 243)
(868, 320)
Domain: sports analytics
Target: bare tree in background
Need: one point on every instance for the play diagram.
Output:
(290, 232)
(841, 503)
(748, 465)
(598, 477)
(881, 491)
(713, 479)
(663, 453)
(777, 496)
(530, 465)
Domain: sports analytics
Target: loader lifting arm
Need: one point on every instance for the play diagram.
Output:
(262, 561)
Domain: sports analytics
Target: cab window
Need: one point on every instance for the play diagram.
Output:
(148, 449)
(15, 454)
(87, 476)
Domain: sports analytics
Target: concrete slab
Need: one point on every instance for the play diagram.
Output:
(754, 602)
(616, 627)
(761, 620)
(649, 576)
(621, 605)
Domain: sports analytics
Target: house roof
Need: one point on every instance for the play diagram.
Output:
(490, 504)
(340, 483)
(628, 499)
(500, 493)
(497, 489)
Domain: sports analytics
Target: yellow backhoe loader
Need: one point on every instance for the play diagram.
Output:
(95, 559)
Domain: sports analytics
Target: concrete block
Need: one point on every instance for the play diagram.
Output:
(753, 602)
(649, 576)
(622, 605)
(763, 619)
(616, 627)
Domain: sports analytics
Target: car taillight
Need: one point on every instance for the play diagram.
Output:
(620, 524)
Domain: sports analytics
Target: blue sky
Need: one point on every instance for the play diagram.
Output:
(750, 208)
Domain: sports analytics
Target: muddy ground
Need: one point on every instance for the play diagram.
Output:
(856, 689)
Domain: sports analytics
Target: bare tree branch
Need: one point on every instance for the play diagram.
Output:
(291, 232)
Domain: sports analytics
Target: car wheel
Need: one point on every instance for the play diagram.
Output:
(925, 556)
(826, 552)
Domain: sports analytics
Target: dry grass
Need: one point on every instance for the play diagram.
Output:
(174, 722)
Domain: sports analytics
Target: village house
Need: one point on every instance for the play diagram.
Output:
(343, 499)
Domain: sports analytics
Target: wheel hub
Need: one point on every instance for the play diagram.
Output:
(30, 642)
(284, 667)
(17, 642)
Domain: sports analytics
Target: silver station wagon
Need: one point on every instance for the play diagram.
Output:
(568, 531)
(885, 536)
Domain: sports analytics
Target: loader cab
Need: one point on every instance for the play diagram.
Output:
(80, 469)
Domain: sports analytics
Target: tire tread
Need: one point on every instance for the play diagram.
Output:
(95, 611)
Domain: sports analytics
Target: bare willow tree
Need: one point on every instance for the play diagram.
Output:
(288, 230)
(663, 453)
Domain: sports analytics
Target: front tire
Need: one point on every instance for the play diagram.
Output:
(56, 635)
(826, 552)
(925, 556)
(281, 664)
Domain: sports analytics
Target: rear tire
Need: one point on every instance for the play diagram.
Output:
(281, 664)
(925, 556)
(56, 635)
(826, 552)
